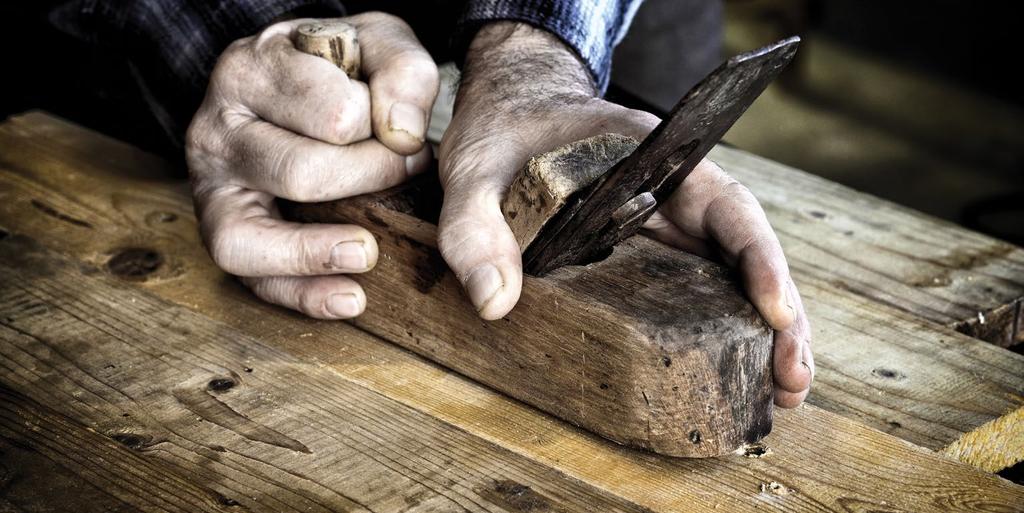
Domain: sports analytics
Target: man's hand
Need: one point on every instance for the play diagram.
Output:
(524, 93)
(279, 123)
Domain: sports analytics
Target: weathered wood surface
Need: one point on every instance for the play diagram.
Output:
(881, 366)
(242, 421)
(976, 447)
(889, 254)
(547, 181)
(605, 347)
(164, 409)
(51, 462)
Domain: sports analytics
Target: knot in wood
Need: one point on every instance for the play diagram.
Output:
(220, 384)
(885, 373)
(132, 441)
(135, 263)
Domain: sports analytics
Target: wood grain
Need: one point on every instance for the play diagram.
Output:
(548, 180)
(333, 40)
(52, 460)
(879, 365)
(974, 448)
(291, 433)
(287, 435)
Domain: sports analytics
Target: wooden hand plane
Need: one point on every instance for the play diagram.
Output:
(640, 343)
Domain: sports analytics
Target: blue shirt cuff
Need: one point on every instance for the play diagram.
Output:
(590, 27)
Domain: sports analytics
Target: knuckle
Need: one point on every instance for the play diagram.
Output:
(742, 195)
(417, 65)
(232, 61)
(197, 144)
(294, 182)
(236, 72)
(310, 254)
(463, 242)
(309, 301)
(202, 142)
(730, 192)
(211, 146)
(407, 73)
(222, 244)
(345, 121)
(711, 168)
(272, 30)
(451, 241)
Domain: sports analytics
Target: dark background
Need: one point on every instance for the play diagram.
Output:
(927, 114)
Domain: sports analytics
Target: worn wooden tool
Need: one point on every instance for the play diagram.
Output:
(611, 206)
(644, 345)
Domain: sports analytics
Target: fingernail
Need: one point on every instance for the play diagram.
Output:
(349, 256)
(419, 162)
(483, 283)
(408, 118)
(343, 305)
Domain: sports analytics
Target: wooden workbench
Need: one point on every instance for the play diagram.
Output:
(136, 375)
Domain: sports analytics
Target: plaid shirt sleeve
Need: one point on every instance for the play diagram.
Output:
(172, 45)
(591, 27)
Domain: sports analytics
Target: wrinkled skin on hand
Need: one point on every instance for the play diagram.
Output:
(277, 123)
(524, 93)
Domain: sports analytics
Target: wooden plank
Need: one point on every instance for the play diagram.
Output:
(890, 254)
(972, 448)
(547, 181)
(605, 347)
(51, 461)
(881, 366)
(286, 435)
(255, 426)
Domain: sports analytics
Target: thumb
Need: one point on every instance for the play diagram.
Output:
(479, 246)
(403, 80)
